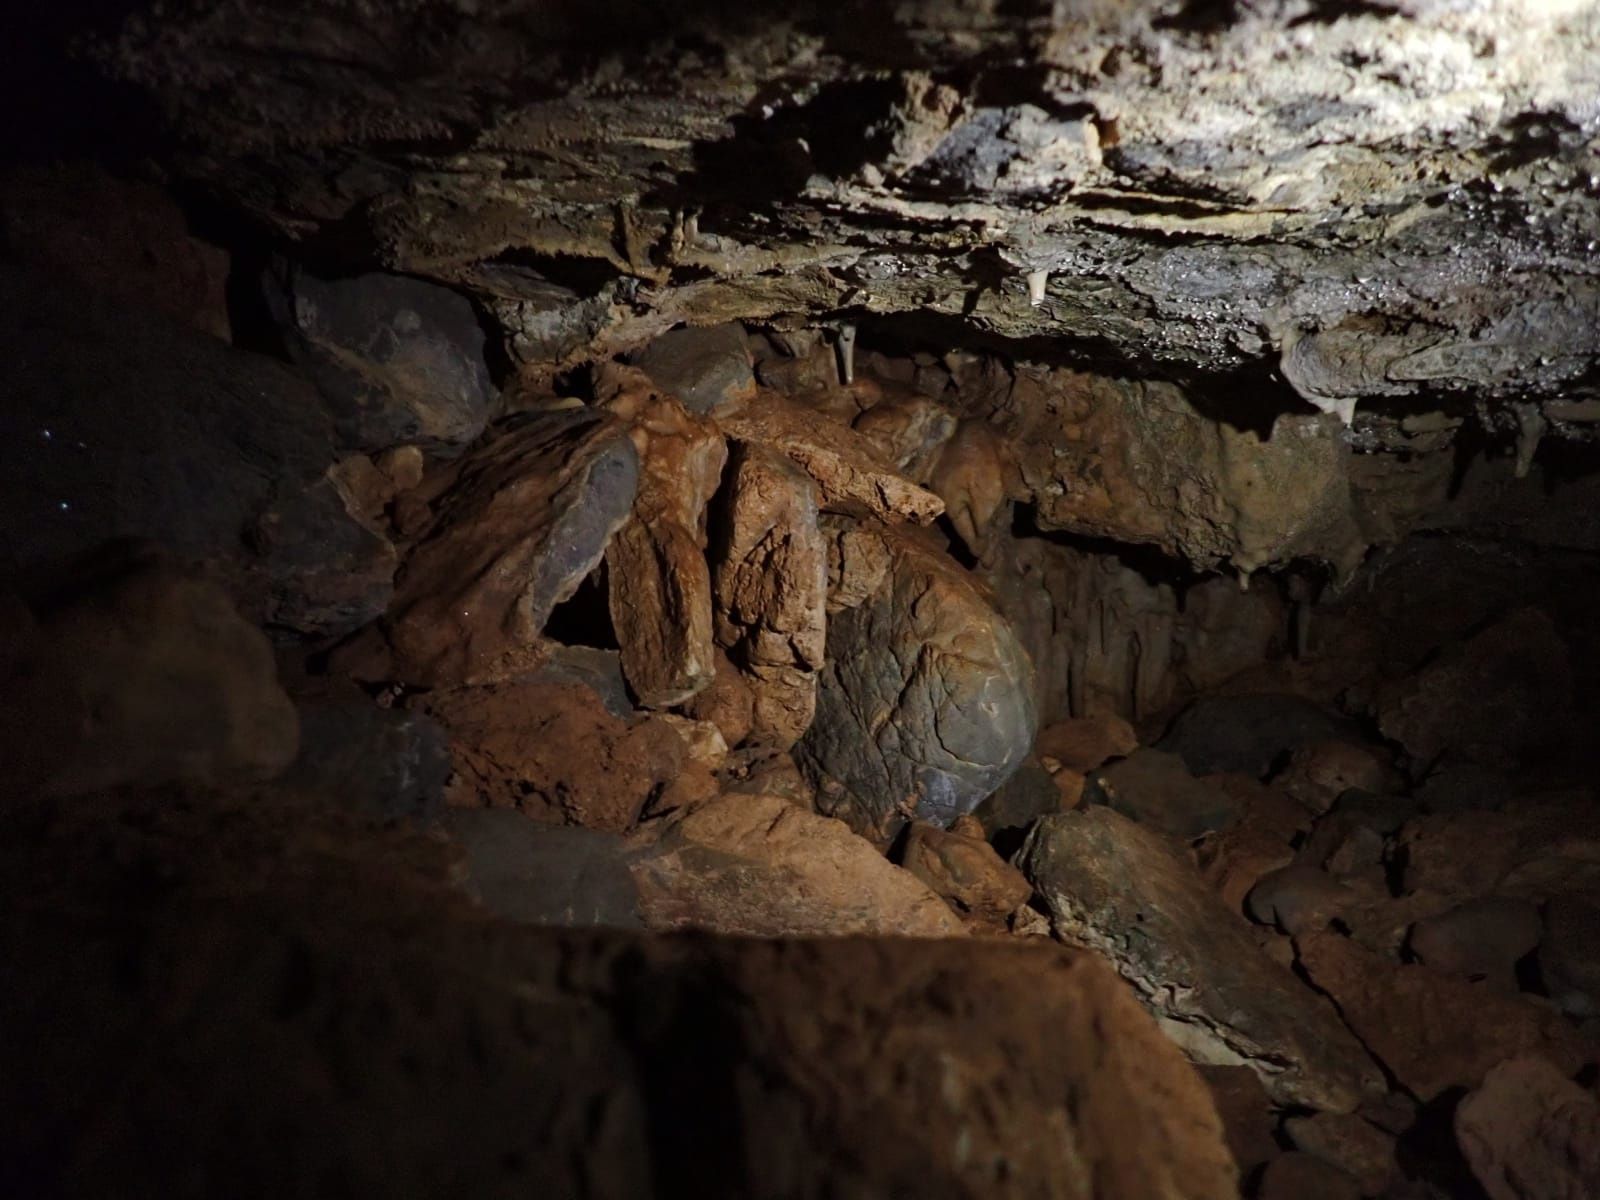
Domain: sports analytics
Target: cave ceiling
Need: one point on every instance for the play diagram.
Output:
(1372, 202)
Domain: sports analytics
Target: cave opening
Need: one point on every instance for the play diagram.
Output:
(952, 599)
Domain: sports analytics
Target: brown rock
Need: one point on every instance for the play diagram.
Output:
(659, 585)
(1121, 889)
(965, 872)
(907, 430)
(1320, 773)
(1481, 939)
(726, 702)
(1233, 862)
(1546, 846)
(702, 741)
(1298, 899)
(1156, 789)
(1433, 1032)
(1349, 1142)
(1247, 1113)
(552, 750)
(758, 866)
(1084, 743)
(137, 671)
(849, 475)
(1569, 957)
(1296, 1176)
(761, 771)
(707, 369)
(975, 476)
(516, 526)
(771, 590)
(1530, 1133)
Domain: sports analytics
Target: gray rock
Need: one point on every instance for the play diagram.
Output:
(1154, 788)
(383, 763)
(598, 670)
(1120, 889)
(926, 702)
(123, 423)
(1250, 733)
(524, 870)
(1018, 803)
(707, 369)
(397, 359)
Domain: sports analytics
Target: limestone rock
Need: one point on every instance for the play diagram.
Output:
(516, 526)
(552, 750)
(126, 424)
(1497, 699)
(1543, 846)
(965, 872)
(702, 741)
(384, 764)
(758, 866)
(1530, 1133)
(398, 359)
(135, 671)
(771, 590)
(727, 702)
(974, 475)
(1154, 788)
(1249, 733)
(1319, 773)
(707, 369)
(1084, 743)
(926, 701)
(1233, 862)
(659, 585)
(907, 431)
(1120, 889)
(848, 473)
(1007, 812)
(1432, 1032)
(1298, 899)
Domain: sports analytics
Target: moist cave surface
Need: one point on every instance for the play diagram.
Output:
(935, 598)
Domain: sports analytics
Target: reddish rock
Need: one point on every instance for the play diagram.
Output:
(552, 750)
(771, 590)
(1480, 940)
(1432, 1031)
(908, 431)
(1298, 899)
(516, 526)
(1296, 1176)
(1544, 846)
(850, 476)
(1319, 773)
(1234, 861)
(975, 476)
(758, 866)
(1247, 1113)
(1530, 1133)
(1347, 1141)
(1156, 789)
(1084, 743)
(963, 869)
(726, 702)
(1123, 890)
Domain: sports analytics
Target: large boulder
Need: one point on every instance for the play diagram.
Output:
(1120, 889)
(132, 670)
(771, 585)
(1156, 789)
(516, 526)
(397, 359)
(927, 702)
(1253, 733)
(1530, 1133)
(124, 423)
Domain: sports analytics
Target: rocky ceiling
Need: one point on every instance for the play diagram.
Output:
(1381, 203)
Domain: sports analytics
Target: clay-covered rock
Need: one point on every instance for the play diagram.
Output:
(727, 702)
(1320, 772)
(397, 359)
(1530, 1133)
(1247, 1114)
(1084, 743)
(124, 423)
(907, 431)
(516, 526)
(1500, 698)
(131, 670)
(659, 587)
(926, 702)
(849, 474)
(1233, 862)
(552, 750)
(1480, 940)
(1348, 1141)
(381, 763)
(770, 585)
(1120, 889)
(1154, 788)
(758, 866)
(964, 870)
(1253, 733)
(1298, 898)
(707, 369)
(1432, 1031)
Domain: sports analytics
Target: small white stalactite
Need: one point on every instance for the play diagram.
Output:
(691, 229)
(1037, 281)
(845, 346)
(1531, 426)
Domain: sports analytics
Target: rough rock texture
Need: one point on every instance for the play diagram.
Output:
(707, 370)
(1154, 788)
(1349, 1142)
(758, 866)
(515, 527)
(397, 359)
(1530, 1133)
(120, 422)
(770, 584)
(488, 1059)
(727, 702)
(926, 700)
(848, 473)
(1122, 890)
(1432, 1031)
(1084, 743)
(1248, 733)
(381, 763)
(552, 750)
(965, 871)
(659, 587)
(131, 670)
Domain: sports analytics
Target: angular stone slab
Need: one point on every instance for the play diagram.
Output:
(519, 524)
(708, 369)
(926, 702)
(1116, 887)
